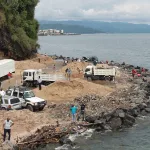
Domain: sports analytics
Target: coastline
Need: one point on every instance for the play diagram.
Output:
(105, 119)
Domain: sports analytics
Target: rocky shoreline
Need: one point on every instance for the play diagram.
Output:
(135, 102)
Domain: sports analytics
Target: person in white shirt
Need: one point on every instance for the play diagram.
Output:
(2, 92)
(7, 128)
(40, 83)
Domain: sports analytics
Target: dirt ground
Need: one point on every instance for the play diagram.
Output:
(63, 91)
(58, 92)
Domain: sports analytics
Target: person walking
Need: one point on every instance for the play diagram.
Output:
(9, 75)
(7, 128)
(73, 110)
(40, 83)
(82, 112)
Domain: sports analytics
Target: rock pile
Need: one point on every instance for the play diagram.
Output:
(86, 99)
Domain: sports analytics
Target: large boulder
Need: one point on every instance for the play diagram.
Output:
(115, 123)
(128, 120)
(65, 140)
(142, 106)
(99, 129)
(91, 119)
(108, 117)
(147, 110)
(118, 113)
(143, 112)
(134, 112)
(100, 121)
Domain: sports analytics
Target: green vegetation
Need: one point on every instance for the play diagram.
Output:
(18, 28)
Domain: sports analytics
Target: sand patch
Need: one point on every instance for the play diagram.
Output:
(68, 90)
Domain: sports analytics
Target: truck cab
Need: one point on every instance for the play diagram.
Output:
(88, 71)
(31, 101)
(30, 77)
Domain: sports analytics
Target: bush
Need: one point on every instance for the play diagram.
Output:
(18, 28)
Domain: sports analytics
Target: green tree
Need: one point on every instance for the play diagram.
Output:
(18, 28)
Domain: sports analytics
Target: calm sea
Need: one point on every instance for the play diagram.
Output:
(130, 48)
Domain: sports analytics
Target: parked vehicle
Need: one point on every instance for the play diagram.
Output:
(96, 73)
(10, 102)
(30, 77)
(31, 101)
(6, 66)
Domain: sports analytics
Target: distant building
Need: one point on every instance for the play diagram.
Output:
(62, 31)
(50, 32)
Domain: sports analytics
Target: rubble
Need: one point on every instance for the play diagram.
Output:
(49, 134)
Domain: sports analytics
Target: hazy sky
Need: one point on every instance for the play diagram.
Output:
(137, 11)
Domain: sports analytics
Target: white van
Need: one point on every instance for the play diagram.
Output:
(10, 103)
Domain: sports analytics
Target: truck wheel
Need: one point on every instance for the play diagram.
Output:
(3, 108)
(30, 108)
(40, 109)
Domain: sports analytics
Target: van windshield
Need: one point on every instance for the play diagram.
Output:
(28, 94)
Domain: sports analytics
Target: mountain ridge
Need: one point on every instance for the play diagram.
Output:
(105, 27)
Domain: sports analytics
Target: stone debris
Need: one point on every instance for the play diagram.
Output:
(50, 134)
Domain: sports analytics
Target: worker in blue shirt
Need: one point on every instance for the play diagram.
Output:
(73, 110)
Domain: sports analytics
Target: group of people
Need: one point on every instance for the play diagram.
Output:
(74, 109)
(68, 73)
(139, 74)
(66, 60)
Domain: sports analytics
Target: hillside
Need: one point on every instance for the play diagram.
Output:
(70, 28)
(18, 28)
(108, 27)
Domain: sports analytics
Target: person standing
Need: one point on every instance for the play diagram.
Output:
(66, 72)
(2, 92)
(9, 76)
(69, 73)
(0, 84)
(7, 128)
(82, 112)
(73, 110)
(134, 72)
(78, 70)
(54, 67)
(40, 83)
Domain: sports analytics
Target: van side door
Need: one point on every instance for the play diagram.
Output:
(22, 101)
(15, 103)
(5, 103)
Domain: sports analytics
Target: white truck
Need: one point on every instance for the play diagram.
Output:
(6, 66)
(96, 73)
(30, 77)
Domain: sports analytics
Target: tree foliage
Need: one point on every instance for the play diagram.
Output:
(18, 28)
